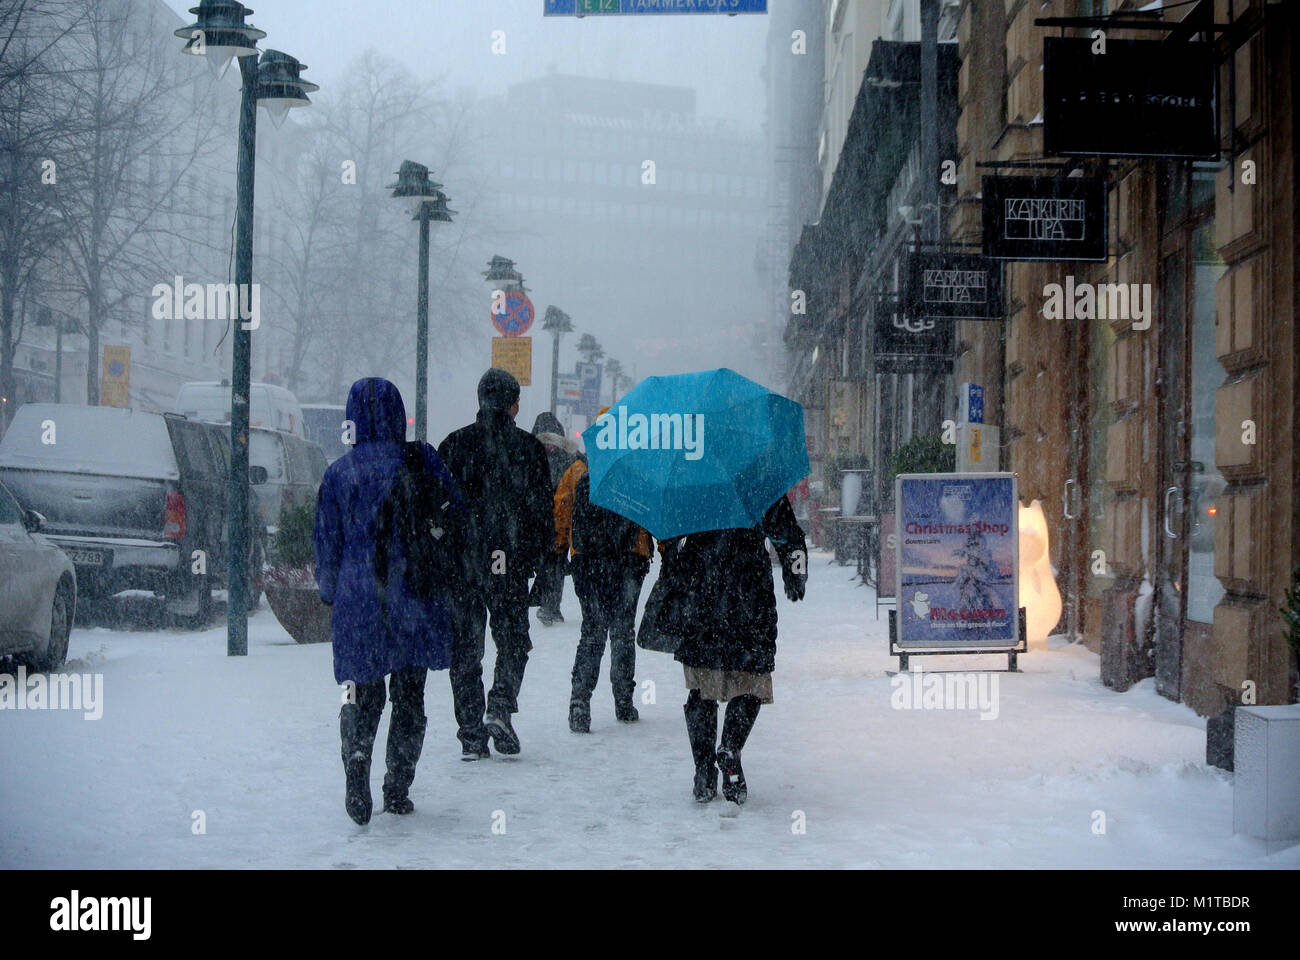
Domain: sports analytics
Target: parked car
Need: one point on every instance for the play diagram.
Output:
(136, 500)
(269, 406)
(325, 426)
(294, 470)
(38, 589)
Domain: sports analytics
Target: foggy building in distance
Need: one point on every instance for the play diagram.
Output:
(793, 81)
(626, 209)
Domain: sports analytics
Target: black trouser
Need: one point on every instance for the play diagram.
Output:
(506, 602)
(548, 587)
(702, 724)
(608, 594)
(358, 722)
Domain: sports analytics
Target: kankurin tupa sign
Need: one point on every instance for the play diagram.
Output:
(957, 561)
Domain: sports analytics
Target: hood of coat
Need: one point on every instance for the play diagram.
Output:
(547, 422)
(559, 441)
(375, 407)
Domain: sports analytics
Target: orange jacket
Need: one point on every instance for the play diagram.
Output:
(564, 495)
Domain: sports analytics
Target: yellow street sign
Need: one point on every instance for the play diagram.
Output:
(115, 379)
(515, 356)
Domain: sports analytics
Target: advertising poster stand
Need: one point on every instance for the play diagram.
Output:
(957, 567)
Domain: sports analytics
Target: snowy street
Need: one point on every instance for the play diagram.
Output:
(253, 744)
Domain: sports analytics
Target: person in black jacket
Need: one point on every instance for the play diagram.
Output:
(561, 453)
(730, 653)
(503, 475)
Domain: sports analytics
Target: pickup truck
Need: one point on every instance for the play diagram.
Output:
(138, 501)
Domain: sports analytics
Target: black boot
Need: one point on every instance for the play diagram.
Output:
(625, 711)
(742, 711)
(357, 747)
(702, 730)
(405, 737)
(579, 716)
(403, 754)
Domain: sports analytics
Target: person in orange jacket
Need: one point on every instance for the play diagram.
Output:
(610, 557)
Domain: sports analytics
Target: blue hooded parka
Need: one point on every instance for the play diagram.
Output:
(417, 632)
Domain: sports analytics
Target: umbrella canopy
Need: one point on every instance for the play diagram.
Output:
(695, 452)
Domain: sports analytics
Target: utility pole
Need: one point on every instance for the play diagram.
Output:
(241, 368)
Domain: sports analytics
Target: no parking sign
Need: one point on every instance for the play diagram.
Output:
(512, 313)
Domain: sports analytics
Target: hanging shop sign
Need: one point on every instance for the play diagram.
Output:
(1045, 218)
(953, 286)
(957, 561)
(1139, 98)
(905, 344)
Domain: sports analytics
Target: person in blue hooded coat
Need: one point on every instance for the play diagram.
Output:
(405, 639)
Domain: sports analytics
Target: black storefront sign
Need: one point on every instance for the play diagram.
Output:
(953, 286)
(1141, 98)
(1045, 218)
(902, 344)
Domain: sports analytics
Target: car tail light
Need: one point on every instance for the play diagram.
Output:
(174, 516)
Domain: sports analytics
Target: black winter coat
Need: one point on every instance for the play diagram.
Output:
(728, 575)
(503, 474)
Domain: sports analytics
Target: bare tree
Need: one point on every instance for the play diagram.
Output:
(30, 129)
(132, 142)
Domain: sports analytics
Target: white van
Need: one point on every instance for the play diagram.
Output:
(270, 407)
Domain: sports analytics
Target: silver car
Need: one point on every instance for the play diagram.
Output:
(294, 470)
(38, 590)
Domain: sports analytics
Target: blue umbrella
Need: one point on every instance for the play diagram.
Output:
(696, 452)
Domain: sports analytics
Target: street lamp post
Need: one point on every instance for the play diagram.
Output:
(558, 323)
(413, 181)
(221, 34)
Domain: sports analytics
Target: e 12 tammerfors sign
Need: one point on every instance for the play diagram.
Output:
(1138, 98)
(958, 561)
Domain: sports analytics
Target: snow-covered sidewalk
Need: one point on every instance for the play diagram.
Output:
(252, 743)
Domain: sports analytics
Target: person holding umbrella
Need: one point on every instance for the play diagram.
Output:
(730, 655)
(703, 461)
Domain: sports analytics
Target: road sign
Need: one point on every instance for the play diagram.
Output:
(970, 403)
(592, 8)
(512, 313)
(568, 389)
(515, 356)
(115, 381)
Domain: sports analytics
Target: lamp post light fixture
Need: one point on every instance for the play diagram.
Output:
(414, 182)
(501, 270)
(280, 86)
(557, 323)
(220, 34)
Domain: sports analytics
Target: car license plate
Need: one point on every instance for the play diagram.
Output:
(86, 558)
